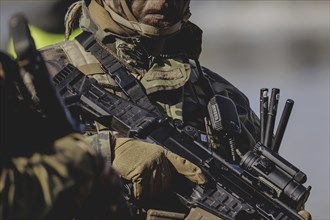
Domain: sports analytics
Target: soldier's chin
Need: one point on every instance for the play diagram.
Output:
(157, 21)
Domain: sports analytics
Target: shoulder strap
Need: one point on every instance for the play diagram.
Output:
(198, 78)
(125, 80)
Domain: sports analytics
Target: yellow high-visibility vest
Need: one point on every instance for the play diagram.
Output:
(42, 38)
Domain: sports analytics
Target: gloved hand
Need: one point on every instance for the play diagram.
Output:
(150, 167)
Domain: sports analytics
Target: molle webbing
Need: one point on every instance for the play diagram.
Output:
(125, 80)
(197, 93)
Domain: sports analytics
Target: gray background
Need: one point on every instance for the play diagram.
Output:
(256, 44)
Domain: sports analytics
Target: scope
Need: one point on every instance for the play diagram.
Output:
(273, 174)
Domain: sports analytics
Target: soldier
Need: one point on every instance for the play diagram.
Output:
(42, 177)
(160, 47)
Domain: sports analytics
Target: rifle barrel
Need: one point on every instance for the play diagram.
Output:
(263, 112)
(271, 116)
(282, 124)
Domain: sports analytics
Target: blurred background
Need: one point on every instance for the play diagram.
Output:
(255, 44)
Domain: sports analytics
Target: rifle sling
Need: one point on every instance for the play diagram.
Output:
(122, 76)
(116, 113)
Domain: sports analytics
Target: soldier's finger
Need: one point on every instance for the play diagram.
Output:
(186, 168)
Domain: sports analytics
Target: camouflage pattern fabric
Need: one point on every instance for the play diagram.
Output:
(170, 83)
(102, 142)
(167, 74)
(30, 186)
(186, 102)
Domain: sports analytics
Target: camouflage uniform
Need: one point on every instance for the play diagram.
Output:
(43, 175)
(30, 186)
(170, 81)
(64, 184)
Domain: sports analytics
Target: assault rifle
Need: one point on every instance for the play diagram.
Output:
(262, 186)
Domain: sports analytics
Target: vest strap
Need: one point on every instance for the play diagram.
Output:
(110, 64)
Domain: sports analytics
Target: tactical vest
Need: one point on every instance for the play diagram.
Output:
(177, 93)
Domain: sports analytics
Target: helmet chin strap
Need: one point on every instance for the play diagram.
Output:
(144, 29)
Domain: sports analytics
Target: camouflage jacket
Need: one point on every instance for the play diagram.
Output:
(169, 80)
(33, 187)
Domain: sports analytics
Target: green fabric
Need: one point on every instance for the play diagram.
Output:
(102, 142)
(168, 77)
(174, 111)
(168, 74)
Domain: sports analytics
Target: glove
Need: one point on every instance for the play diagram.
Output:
(150, 167)
(305, 214)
